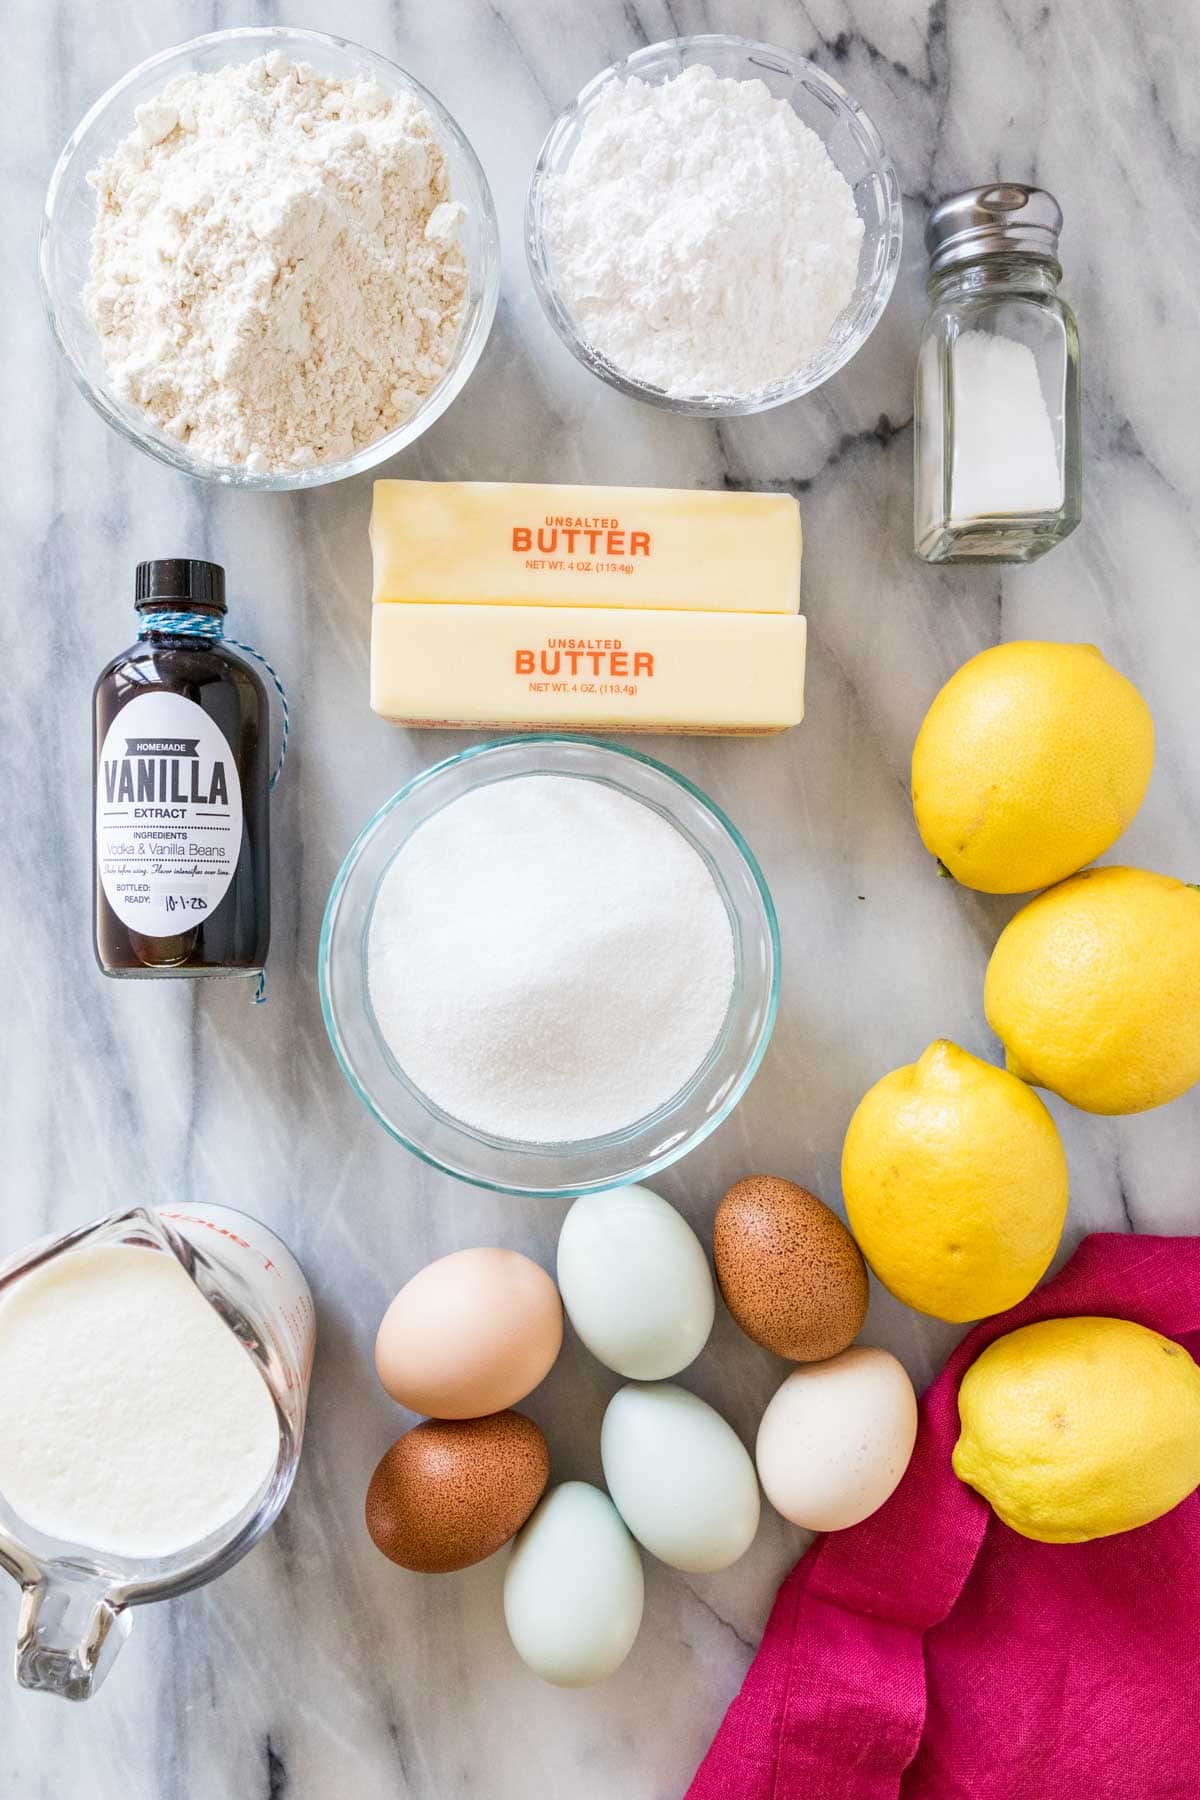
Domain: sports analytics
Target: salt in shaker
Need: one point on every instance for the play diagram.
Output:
(996, 414)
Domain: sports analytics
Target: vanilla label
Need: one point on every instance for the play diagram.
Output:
(168, 815)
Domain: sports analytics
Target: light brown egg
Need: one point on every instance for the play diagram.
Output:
(790, 1273)
(451, 1491)
(471, 1333)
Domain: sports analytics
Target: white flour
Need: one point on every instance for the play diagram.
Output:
(131, 1419)
(548, 959)
(702, 238)
(276, 277)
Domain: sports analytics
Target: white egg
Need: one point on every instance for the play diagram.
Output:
(573, 1588)
(680, 1476)
(635, 1282)
(836, 1438)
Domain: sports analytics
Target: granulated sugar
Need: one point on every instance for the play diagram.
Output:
(702, 238)
(549, 960)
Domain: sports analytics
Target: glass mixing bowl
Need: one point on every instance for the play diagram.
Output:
(855, 148)
(505, 1164)
(71, 210)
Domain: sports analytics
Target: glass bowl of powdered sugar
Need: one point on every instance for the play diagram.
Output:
(714, 226)
(549, 966)
(269, 257)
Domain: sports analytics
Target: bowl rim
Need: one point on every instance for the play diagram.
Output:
(709, 405)
(468, 349)
(675, 1152)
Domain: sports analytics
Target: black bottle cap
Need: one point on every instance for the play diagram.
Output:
(180, 582)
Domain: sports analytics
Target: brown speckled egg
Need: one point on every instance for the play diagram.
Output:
(451, 1491)
(791, 1274)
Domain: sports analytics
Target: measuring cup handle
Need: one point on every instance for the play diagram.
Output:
(68, 1634)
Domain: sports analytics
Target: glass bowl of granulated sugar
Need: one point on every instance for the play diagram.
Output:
(269, 257)
(713, 226)
(549, 966)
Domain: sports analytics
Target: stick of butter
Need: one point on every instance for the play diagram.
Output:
(483, 542)
(575, 668)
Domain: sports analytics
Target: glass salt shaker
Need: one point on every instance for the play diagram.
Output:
(996, 414)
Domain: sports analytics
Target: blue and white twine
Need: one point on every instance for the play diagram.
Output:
(177, 623)
(212, 626)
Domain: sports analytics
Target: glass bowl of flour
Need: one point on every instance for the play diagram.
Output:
(549, 966)
(713, 226)
(270, 257)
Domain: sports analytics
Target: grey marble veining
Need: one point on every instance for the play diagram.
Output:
(315, 1670)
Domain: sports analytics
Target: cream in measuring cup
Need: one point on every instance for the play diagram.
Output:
(153, 1377)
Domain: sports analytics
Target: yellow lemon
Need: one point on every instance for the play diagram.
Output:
(1031, 762)
(1094, 990)
(1077, 1428)
(955, 1182)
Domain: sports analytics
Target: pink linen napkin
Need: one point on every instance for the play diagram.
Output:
(931, 1653)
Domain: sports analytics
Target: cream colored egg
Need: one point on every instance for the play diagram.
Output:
(470, 1334)
(836, 1438)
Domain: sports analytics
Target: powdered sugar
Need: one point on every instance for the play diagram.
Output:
(549, 960)
(276, 278)
(701, 236)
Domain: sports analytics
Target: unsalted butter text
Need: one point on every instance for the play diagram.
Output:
(594, 536)
(594, 656)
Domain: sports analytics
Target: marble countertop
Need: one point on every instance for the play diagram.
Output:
(315, 1670)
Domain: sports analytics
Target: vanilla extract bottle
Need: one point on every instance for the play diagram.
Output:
(182, 755)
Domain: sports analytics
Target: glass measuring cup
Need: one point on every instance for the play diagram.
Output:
(76, 1601)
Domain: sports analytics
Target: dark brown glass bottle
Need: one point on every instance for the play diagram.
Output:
(181, 843)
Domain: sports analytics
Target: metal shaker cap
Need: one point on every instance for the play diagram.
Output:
(1006, 216)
